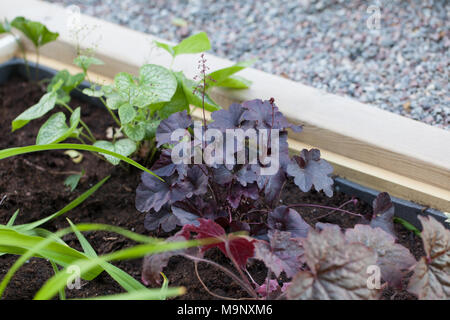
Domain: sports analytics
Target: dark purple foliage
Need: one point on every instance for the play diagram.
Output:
(285, 219)
(223, 192)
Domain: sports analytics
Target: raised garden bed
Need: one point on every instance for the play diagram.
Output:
(285, 234)
(34, 183)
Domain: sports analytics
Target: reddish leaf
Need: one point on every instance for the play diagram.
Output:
(241, 248)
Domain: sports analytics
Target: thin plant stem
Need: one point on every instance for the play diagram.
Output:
(238, 280)
(206, 288)
(334, 210)
(236, 265)
(323, 207)
(91, 136)
(111, 112)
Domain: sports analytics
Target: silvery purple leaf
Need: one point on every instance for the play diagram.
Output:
(185, 217)
(163, 218)
(393, 259)
(179, 120)
(282, 253)
(383, 213)
(284, 218)
(153, 193)
(227, 119)
(309, 170)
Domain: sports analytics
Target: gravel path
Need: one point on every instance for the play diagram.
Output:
(399, 63)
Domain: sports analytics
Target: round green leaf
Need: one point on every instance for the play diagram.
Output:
(126, 113)
(135, 132)
(158, 83)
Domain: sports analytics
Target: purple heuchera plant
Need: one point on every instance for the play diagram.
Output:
(237, 196)
(321, 262)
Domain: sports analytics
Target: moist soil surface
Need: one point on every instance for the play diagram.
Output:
(33, 183)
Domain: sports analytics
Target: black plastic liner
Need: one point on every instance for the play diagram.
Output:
(404, 209)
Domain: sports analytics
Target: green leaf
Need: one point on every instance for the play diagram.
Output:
(51, 287)
(178, 103)
(6, 153)
(55, 129)
(62, 292)
(124, 147)
(158, 82)
(166, 47)
(123, 81)
(135, 132)
(223, 74)
(126, 113)
(45, 104)
(234, 82)
(115, 100)
(13, 218)
(35, 31)
(93, 93)
(14, 242)
(194, 44)
(150, 128)
(144, 294)
(84, 62)
(5, 27)
(72, 181)
(196, 99)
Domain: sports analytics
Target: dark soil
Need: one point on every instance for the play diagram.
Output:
(33, 183)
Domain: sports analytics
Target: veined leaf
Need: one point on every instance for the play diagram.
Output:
(124, 147)
(55, 129)
(84, 62)
(194, 44)
(45, 104)
(126, 113)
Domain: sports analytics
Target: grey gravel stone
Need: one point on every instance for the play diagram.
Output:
(334, 45)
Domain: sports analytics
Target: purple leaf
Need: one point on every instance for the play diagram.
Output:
(238, 192)
(185, 217)
(163, 218)
(283, 253)
(431, 278)
(197, 182)
(286, 219)
(179, 120)
(393, 259)
(266, 115)
(227, 119)
(164, 166)
(383, 213)
(272, 185)
(153, 193)
(338, 270)
(308, 170)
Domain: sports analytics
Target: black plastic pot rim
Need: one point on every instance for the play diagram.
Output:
(404, 209)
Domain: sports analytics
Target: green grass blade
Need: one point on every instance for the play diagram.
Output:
(62, 292)
(67, 208)
(51, 287)
(6, 153)
(147, 294)
(13, 219)
(123, 279)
